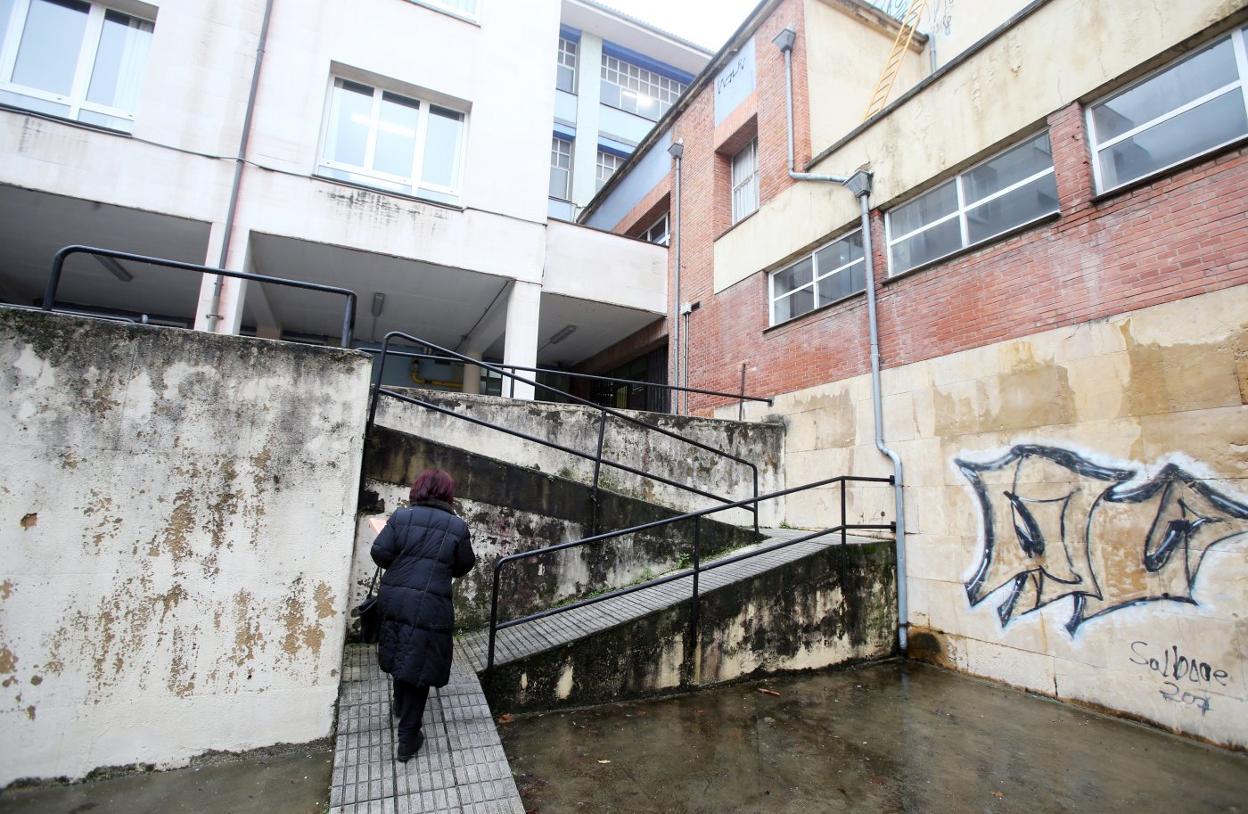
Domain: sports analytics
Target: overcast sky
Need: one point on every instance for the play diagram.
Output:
(705, 22)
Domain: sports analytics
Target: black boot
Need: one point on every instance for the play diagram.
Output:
(408, 749)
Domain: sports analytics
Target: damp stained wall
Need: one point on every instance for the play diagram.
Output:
(576, 427)
(176, 521)
(1076, 507)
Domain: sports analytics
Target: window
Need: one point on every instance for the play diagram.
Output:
(560, 168)
(385, 140)
(1009, 190)
(565, 68)
(827, 275)
(608, 163)
(657, 233)
(1190, 108)
(745, 181)
(637, 90)
(73, 59)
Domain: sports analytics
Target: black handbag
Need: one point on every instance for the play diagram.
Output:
(369, 613)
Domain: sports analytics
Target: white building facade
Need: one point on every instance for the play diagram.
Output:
(393, 147)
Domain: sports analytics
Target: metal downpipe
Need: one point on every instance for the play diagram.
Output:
(877, 403)
(677, 150)
(860, 185)
(213, 316)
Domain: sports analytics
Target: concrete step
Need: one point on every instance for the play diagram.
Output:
(512, 508)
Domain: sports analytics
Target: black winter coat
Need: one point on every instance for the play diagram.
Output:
(421, 548)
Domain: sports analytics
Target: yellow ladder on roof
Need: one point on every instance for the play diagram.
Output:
(909, 22)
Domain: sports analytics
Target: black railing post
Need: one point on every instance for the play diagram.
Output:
(374, 397)
(843, 521)
(54, 279)
(741, 406)
(755, 503)
(695, 611)
(489, 659)
(602, 431)
(348, 321)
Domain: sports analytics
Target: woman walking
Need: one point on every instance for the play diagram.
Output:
(422, 547)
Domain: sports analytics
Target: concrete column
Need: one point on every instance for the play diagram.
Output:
(588, 98)
(233, 291)
(524, 302)
(472, 375)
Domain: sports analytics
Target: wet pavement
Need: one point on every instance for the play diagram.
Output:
(296, 782)
(897, 736)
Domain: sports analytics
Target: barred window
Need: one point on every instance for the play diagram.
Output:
(608, 163)
(638, 90)
(565, 69)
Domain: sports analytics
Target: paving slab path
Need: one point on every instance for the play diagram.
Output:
(462, 766)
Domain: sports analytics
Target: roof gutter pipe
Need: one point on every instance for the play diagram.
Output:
(860, 185)
(214, 311)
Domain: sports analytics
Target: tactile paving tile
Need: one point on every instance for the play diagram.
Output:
(460, 768)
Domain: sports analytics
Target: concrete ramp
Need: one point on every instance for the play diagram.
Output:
(813, 604)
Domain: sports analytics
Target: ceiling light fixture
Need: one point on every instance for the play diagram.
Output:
(115, 268)
(562, 334)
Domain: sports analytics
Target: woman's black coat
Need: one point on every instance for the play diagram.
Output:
(421, 548)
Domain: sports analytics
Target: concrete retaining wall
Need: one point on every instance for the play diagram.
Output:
(176, 521)
(1077, 507)
(835, 606)
(511, 508)
(576, 427)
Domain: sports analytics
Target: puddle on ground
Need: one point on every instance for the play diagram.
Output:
(897, 736)
(296, 782)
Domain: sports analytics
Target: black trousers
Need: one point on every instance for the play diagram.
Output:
(409, 705)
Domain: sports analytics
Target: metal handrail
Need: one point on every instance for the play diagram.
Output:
(377, 390)
(577, 375)
(58, 264)
(696, 567)
(73, 312)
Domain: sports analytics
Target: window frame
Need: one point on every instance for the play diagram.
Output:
(963, 207)
(599, 181)
(1239, 46)
(815, 277)
(571, 161)
(416, 186)
(648, 76)
(84, 68)
(753, 178)
(667, 233)
(575, 54)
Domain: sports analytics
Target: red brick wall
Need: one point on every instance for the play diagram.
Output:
(1184, 234)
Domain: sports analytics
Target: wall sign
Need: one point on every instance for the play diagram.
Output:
(734, 82)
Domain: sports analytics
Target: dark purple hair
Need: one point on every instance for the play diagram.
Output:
(433, 484)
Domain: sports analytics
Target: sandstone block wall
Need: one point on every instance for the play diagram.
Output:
(1076, 507)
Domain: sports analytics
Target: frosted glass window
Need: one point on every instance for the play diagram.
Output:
(1192, 107)
(74, 59)
(565, 69)
(442, 147)
(637, 90)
